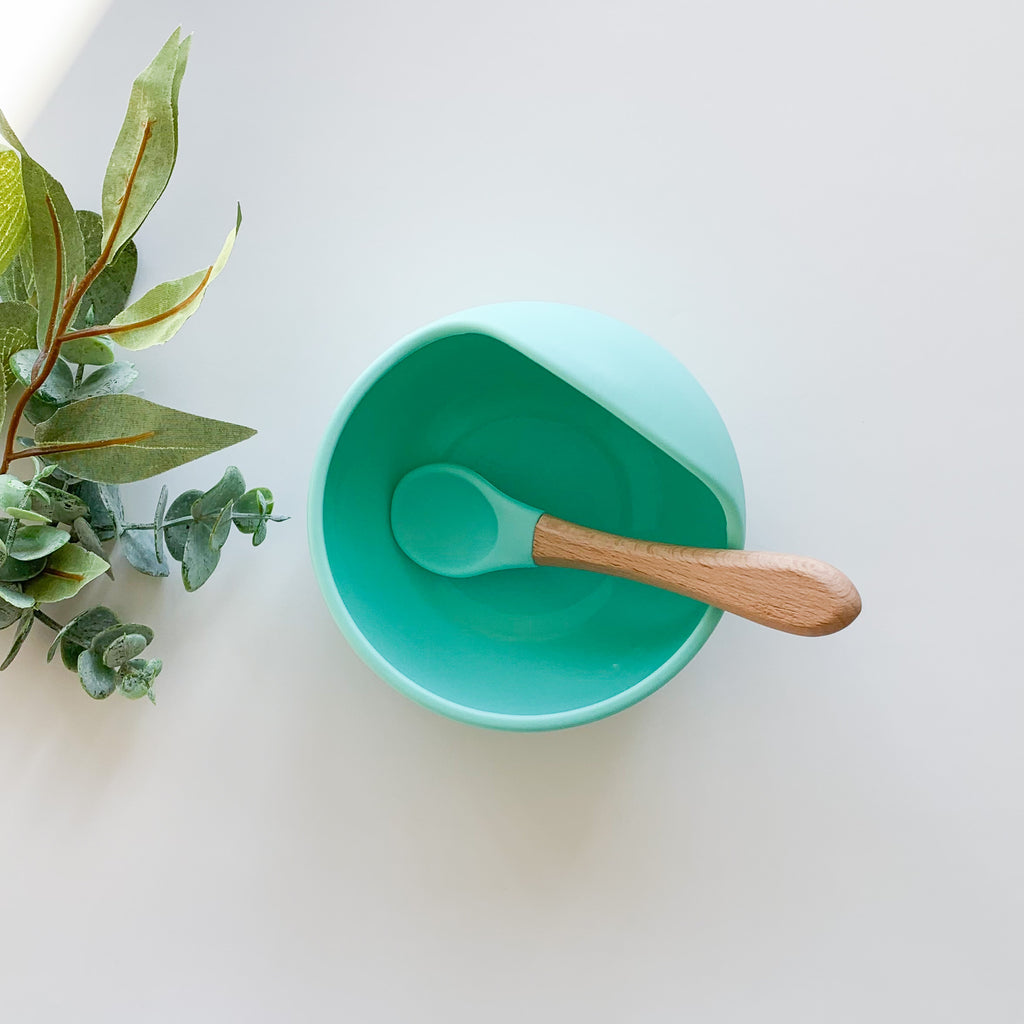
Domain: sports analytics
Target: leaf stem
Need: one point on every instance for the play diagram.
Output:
(191, 519)
(79, 446)
(105, 329)
(49, 353)
(55, 331)
(47, 621)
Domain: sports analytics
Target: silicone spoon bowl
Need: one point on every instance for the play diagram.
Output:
(452, 521)
(631, 444)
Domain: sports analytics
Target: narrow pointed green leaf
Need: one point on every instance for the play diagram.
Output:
(200, 557)
(27, 620)
(13, 212)
(107, 380)
(68, 570)
(97, 680)
(177, 535)
(13, 284)
(108, 294)
(43, 191)
(137, 438)
(17, 333)
(144, 154)
(162, 310)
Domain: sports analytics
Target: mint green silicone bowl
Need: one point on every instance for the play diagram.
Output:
(569, 411)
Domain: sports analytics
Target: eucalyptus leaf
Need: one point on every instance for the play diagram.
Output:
(60, 381)
(15, 597)
(13, 212)
(144, 154)
(107, 380)
(56, 504)
(24, 626)
(139, 438)
(100, 518)
(37, 542)
(200, 557)
(221, 528)
(53, 229)
(110, 495)
(88, 351)
(123, 649)
(12, 490)
(136, 678)
(177, 534)
(26, 515)
(140, 547)
(108, 294)
(86, 536)
(67, 570)
(12, 570)
(37, 410)
(159, 514)
(13, 284)
(8, 614)
(169, 304)
(97, 680)
(230, 486)
(102, 640)
(79, 632)
(144, 549)
(258, 501)
(17, 332)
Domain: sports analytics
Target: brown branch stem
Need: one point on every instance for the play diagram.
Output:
(50, 350)
(80, 446)
(108, 250)
(56, 331)
(105, 329)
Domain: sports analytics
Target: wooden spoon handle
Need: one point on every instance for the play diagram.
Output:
(787, 592)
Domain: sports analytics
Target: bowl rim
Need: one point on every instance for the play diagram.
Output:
(466, 322)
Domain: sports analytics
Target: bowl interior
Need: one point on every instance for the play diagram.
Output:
(526, 641)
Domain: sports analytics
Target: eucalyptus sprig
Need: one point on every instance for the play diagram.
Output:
(66, 278)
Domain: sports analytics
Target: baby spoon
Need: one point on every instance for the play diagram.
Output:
(453, 522)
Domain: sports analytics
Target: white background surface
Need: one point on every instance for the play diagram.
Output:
(819, 207)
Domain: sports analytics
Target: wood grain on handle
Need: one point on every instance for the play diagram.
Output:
(787, 592)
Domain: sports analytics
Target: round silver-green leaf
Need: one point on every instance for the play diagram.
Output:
(98, 680)
(90, 351)
(123, 648)
(177, 535)
(37, 542)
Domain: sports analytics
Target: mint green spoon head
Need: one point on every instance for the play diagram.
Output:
(451, 521)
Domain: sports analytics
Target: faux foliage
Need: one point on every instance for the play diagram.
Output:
(66, 307)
